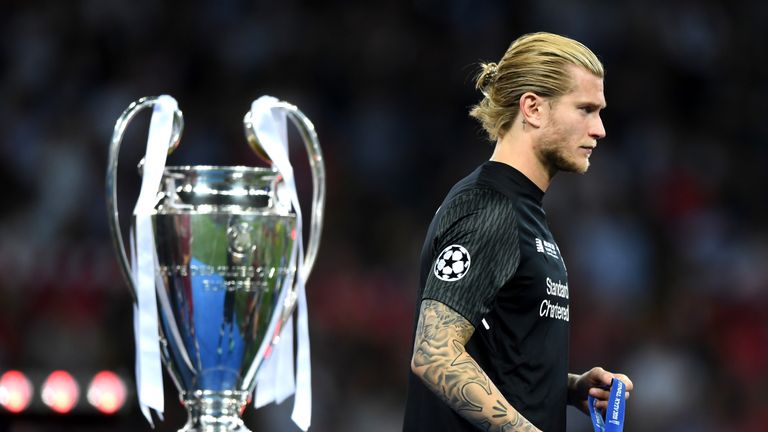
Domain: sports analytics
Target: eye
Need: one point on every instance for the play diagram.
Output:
(589, 109)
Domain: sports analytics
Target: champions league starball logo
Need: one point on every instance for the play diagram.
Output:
(452, 263)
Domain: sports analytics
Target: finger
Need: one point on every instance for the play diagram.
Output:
(602, 376)
(599, 393)
(627, 382)
(626, 395)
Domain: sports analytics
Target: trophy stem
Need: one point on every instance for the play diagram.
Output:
(214, 411)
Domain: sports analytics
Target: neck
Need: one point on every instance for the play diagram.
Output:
(515, 149)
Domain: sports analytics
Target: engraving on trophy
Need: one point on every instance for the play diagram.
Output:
(236, 277)
(240, 243)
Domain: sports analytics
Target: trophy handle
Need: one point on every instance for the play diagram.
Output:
(114, 150)
(309, 136)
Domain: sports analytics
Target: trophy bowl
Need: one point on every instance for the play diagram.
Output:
(224, 247)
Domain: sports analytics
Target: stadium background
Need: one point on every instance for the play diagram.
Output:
(665, 238)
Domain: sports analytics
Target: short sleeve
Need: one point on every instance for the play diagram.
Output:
(475, 252)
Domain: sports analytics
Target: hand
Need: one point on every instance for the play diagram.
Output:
(596, 382)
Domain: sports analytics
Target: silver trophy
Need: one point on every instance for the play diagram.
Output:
(223, 237)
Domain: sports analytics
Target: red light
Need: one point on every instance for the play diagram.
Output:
(60, 392)
(106, 392)
(15, 391)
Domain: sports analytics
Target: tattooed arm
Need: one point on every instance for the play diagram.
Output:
(443, 364)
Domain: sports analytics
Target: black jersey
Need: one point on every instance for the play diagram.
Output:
(490, 256)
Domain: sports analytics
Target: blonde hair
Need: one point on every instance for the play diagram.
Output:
(535, 62)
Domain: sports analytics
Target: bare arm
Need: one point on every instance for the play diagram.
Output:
(443, 364)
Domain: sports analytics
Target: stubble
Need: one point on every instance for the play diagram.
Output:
(555, 155)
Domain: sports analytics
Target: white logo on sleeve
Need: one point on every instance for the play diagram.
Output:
(550, 249)
(452, 263)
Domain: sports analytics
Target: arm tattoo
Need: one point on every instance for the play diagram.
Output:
(443, 364)
(501, 410)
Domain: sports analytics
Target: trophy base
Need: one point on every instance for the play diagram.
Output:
(210, 411)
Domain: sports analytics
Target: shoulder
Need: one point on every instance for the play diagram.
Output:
(479, 203)
(481, 214)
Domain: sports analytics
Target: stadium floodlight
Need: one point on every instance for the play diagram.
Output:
(60, 392)
(15, 391)
(107, 392)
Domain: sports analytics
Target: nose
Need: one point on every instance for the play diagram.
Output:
(597, 130)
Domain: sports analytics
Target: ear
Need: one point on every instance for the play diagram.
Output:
(532, 109)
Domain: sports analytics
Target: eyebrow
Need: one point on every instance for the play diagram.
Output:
(593, 105)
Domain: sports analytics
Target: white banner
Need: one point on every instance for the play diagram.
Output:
(149, 373)
(275, 380)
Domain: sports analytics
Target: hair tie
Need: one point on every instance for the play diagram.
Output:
(491, 70)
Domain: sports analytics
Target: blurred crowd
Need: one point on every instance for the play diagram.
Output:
(665, 238)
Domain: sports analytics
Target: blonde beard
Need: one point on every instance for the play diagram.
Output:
(553, 156)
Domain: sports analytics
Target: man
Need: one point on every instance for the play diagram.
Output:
(491, 341)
